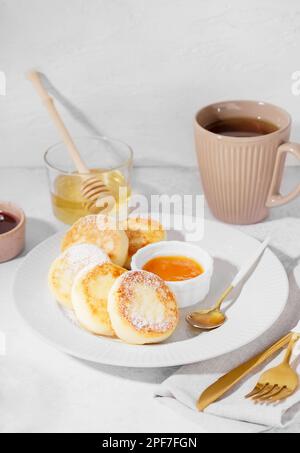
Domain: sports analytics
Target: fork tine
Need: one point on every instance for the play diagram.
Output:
(282, 395)
(258, 388)
(276, 389)
(265, 391)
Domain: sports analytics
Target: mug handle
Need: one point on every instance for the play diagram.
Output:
(274, 197)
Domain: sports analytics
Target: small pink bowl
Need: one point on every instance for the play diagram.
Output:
(12, 242)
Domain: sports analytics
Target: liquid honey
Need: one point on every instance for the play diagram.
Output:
(67, 202)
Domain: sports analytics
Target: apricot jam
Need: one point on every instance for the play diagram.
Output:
(174, 268)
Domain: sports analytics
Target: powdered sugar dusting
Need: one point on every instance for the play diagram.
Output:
(87, 220)
(80, 256)
(141, 324)
(147, 302)
(146, 278)
(100, 221)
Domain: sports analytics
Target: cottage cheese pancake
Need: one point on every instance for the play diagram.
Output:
(142, 308)
(89, 297)
(141, 232)
(99, 230)
(65, 268)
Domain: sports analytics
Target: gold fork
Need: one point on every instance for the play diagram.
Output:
(277, 383)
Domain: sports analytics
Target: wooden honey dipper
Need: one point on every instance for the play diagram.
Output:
(93, 189)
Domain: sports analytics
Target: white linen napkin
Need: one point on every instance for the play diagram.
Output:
(234, 413)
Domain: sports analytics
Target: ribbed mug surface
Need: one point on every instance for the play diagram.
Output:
(236, 172)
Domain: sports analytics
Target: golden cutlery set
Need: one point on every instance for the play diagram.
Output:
(273, 386)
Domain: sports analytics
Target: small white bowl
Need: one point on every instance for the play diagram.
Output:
(188, 292)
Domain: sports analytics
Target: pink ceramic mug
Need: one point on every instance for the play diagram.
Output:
(241, 176)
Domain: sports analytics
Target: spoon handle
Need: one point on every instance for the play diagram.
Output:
(294, 339)
(223, 297)
(249, 263)
(34, 77)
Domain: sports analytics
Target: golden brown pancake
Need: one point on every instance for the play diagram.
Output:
(142, 308)
(99, 230)
(89, 297)
(65, 268)
(141, 232)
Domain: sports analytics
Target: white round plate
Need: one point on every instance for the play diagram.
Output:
(255, 310)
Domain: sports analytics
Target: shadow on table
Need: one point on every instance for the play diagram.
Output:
(37, 231)
(148, 375)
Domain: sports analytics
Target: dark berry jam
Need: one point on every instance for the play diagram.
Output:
(7, 222)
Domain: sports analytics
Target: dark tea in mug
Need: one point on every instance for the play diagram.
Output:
(241, 148)
(241, 127)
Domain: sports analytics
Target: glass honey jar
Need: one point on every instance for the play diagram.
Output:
(108, 159)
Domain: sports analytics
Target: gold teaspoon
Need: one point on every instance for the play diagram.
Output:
(214, 317)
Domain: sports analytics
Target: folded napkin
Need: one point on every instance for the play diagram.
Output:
(233, 413)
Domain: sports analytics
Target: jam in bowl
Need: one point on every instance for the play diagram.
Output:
(186, 268)
(12, 231)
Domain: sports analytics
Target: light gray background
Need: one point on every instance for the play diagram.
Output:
(138, 70)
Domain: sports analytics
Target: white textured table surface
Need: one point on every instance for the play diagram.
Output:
(44, 390)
